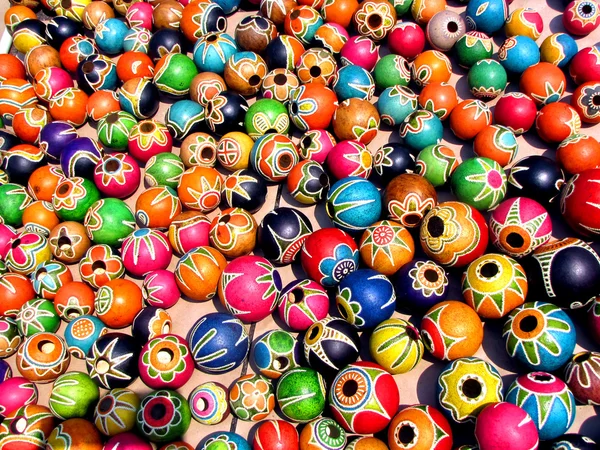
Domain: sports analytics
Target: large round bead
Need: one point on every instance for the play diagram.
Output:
(37, 315)
(422, 427)
(391, 160)
(540, 336)
(225, 113)
(198, 272)
(301, 394)
(323, 433)
(302, 303)
(353, 204)
(516, 111)
(276, 352)
(146, 250)
(16, 393)
(34, 424)
(16, 290)
(312, 106)
(81, 333)
(281, 234)
(157, 207)
(273, 156)
(43, 357)
(396, 345)
(266, 116)
(209, 403)
(244, 189)
(200, 188)
(166, 362)
(109, 221)
(536, 177)
(73, 394)
(436, 163)
(548, 401)
(164, 416)
(558, 49)
(453, 234)
(100, 265)
(408, 198)
(519, 225)
(466, 386)
(276, 435)
(578, 201)
(219, 438)
(504, 425)
(451, 330)
(112, 360)
(118, 302)
(487, 16)
(386, 246)
(582, 375)
(174, 73)
(26, 251)
(329, 345)
(493, 285)
(421, 129)
(479, 182)
(349, 158)
(328, 255)
(139, 96)
(233, 232)
(564, 272)
(227, 348)
(188, 230)
(251, 397)
(117, 175)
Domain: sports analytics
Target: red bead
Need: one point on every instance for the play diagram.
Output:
(585, 65)
(556, 122)
(117, 175)
(134, 65)
(579, 202)
(407, 39)
(586, 101)
(276, 435)
(503, 425)
(515, 111)
(578, 153)
(11, 67)
(581, 17)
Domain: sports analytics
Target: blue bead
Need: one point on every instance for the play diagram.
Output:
(353, 204)
(81, 333)
(184, 117)
(487, 16)
(110, 36)
(518, 53)
(421, 129)
(353, 82)
(420, 284)
(212, 51)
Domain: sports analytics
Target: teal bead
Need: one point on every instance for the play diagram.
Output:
(421, 129)
(392, 70)
(113, 129)
(74, 394)
(353, 82)
(487, 79)
(164, 416)
(479, 182)
(301, 394)
(472, 47)
(184, 117)
(109, 221)
(395, 104)
(164, 169)
(14, 201)
(174, 74)
(266, 116)
(73, 197)
(37, 315)
(401, 6)
(436, 163)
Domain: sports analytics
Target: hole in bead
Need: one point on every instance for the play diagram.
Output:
(412, 333)
(515, 240)
(543, 378)
(64, 242)
(271, 131)
(18, 425)
(99, 267)
(374, 21)
(147, 127)
(221, 24)
(41, 273)
(280, 79)
(582, 357)
(350, 388)
(427, 341)
(211, 38)
(285, 160)
(406, 434)
(452, 27)
(88, 67)
(46, 346)
(63, 189)
(435, 226)
(344, 312)
(15, 243)
(106, 405)
(314, 332)
(280, 364)
(296, 295)
(166, 329)
(411, 219)
(315, 71)
(207, 153)
(528, 324)
(158, 411)
(71, 313)
(489, 270)
(165, 356)
(306, 141)
(332, 431)
(202, 404)
(323, 180)
(471, 388)
(102, 366)
(66, 4)
(254, 80)
(225, 219)
(112, 165)
(586, 9)
(596, 100)
(112, 118)
(431, 275)
(294, 108)
(295, 14)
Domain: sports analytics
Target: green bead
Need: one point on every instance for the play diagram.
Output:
(391, 70)
(75, 203)
(113, 129)
(436, 164)
(1, 122)
(9, 336)
(14, 201)
(401, 6)
(164, 169)
(472, 47)
(170, 415)
(301, 394)
(266, 116)
(276, 352)
(3, 268)
(74, 394)
(109, 221)
(256, 388)
(37, 315)
(174, 74)
(487, 79)
(479, 182)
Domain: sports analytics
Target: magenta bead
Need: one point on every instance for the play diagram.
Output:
(519, 225)
(160, 362)
(302, 303)
(50, 80)
(146, 250)
(360, 51)
(349, 158)
(117, 175)
(127, 441)
(316, 145)
(15, 393)
(6, 234)
(593, 320)
(160, 289)
(585, 65)
(140, 15)
(406, 39)
(503, 425)
(190, 232)
(249, 288)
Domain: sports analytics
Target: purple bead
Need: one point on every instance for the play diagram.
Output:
(54, 137)
(5, 371)
(79, 158)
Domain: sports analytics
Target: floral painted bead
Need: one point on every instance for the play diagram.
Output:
(323, 433)
(451, 330)
(386, 246)
(117, 175)
(583, 101)
(349, 158)
(419, 426)
(115, 412)
(100, 265)
(273, 156)
(252, 397)
(466, 386)
(34, 422)
(49, 277)
(157, 207)
(581, 17)
(316, 65)
(479, 182)
(540, 336)
(396, 345)
(166, 362)
(276, 352)
(395, 104)
(420, 284)
(582, 377)
(421, 129)
(307, 182)
(36, 316)
(391, 160)
(164, 416)
(81, 333)
(112, 362)
(375, 19)
(301, 394)
(189, 230)
(302, 303)
(26, 252)
(431, 66)
(113, 129)
(469, 117)
(148, 138)
(43, 357)
(149, 323)
(408, 198)
(73, 197)
(198, 149)
(209, 403)
(547, 399)
(73, 394)
(10, 338)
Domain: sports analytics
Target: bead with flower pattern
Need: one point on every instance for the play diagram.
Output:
(49, 277)
(146, 250)
(198, 272)
(544, 82)
(479, 182)
(139, 97)
(100, 265)
(349, 158)
(316, 65)
(26, 251)
(43, 357)
(109, 221)
(431, 66)
(302, 22)
(114, 128)
(307, 182)
(253, 33)
(374, 19)
(279, 84)
(473, 46)
(581, 17)
(323, 433)
(273, 156)
(421, 129)
(584, 101)
(112, 360)
(117, 175)
(395, 104)
(10, 339)
(199, 19)
(386, 246)
(137, 39)
(408, 198)
(165, 362)
(266, 116)
(396, 345)
(170, 423)
(74, 299)
(421, 426)
(312, 106)
(148, 138)
(252, 397)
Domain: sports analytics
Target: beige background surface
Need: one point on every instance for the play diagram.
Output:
(419, 385)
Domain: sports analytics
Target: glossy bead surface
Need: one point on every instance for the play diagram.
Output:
(233, 232)
(386, 246)
(354, 82)
(395, 104)
(485, 16)
(310, 386)
(115, 412)
(273, 156)
(487, 79)
(81, 333)
(408, 198)
(209, 403)
(276, 435)
(584, 66)
(283, 52)
(146, 250)
(118, 302)
(421, 129)
(149, 138)
(438, 97)
(35, 424)
(279, 84)
(117, 175)
(473, 46)
(349, 159)
(444, 29)
(353, 204)
(436, 163)
(43, 357)
(149, 323)
(139, 97)
(307, 182)
(479, 182)
(524, 22)
(157, 207)
(304, 103)
(361, 51)
(431, 66)
(282, 233)
(469, 117)
(198, 271)
(323, 433)
(225, 113)
(537, 177)
(581, 17)
(576, 203)
(516, 111)
(422, 426)
(518, 53)
(581, 376)
(165, 362)
(168, 426)
(556, 122)
(544, 83)
(184, 117)
(73, 395)
(17, 392)
(36, 316)
(100, 265)
(407, 39)
(302, 303)
(396, 345)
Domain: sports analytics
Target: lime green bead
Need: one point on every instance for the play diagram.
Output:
(109, 221)
(436, 164)
(266, 116)
(391, 70)
(164, 169)
(114, 128)
(73, 394)
(14, 201)
(174, 74)
(487, 79)
(36, 316)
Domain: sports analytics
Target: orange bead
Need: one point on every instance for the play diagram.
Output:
(28, 122)
(157, 207)
(469, 117)
(431, 66)
(200, 188)
(134, 65)
(11, 67)
(118, 302)
(102, 103)
(74, 299)
(423, 10)
(43, 181)
(39, 217)
(557, 121)
(578, 153)
(70, 105)
(15, 93)
(15, 291)
(17, 14)
(439, 98)
(496, 142)
(339, 11)
(544, 83)
(198, 273)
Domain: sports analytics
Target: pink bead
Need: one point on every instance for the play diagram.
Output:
(160, 289)
(149, 138)
(581, 17)
(6, 234)
(516, 111)
(146, 250)
(316, 145)
(249, 288)
(127, 441)
(302, 303)
(361, 51)
(140, 15)
(407, 39)
(169, 351)
(503, 425)
(15, 393)
(50, 80)
(349, 158)
(117, 175)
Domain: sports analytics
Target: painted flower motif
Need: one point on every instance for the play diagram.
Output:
(587, 101)
(350, 310)
(100, 265)
(179, 351)
(255, 394)
(343, 262)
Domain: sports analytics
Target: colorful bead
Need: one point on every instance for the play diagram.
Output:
(423, 10)
(276, 435)
(396, 345)
(577, 203)
(301, 394)
(276, 352)
(445, 327)
(419, 426)
(558, 49)
(37, 316)
(279, 84)
(253, 33)
(486, 16)
(436, 163)
(584, 102)
(160, 289)
(431, 66)
(420, 285)
(331, 36)
(100, 265)
(209, 403)
(323, 433)
(544, 82)
(115, 412)
(473, 46)
(338, 11)
(439, 98)
(355, 82)
(43, 357)
(17, 392)
(69, 105)
(487, 79)
(444, 29)
(536, 177)
(149, 323)
(479, 182)
(78, 432)
(165, 362)
(502, 425)
(10, 338)
(226, 113)
(516, 111)
(164, 416)
(374, 19)
(353, 204)
(27, 250)
(228, 348)
(112, 360)
(581, 376)
(421, 129)
(252, 397)
(302, 303)
(233, 232)
(408, 198)
(118, 302)
(306, 100)
(139, 97)
(146, 250)
(198, 272)
(395, 104)
(157, 207)
(109, 221)
(498, 143)
(199, 19)
(386, 246)
(581, 17)
(73, 395)
(307, 182)
(74, 299)
(469, 117)
(282, 233)
(232, 440)
(34, 422)
(81, 333)
(349, 159)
